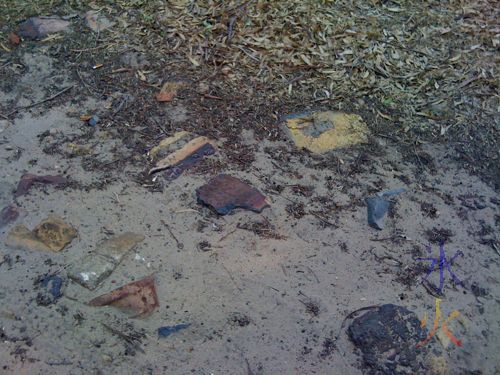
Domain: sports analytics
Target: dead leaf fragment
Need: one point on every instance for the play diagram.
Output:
(14, 39)
(139, 297)
(169, 91)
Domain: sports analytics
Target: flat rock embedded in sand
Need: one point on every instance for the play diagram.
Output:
(21, 237)
(117, 247)
(52, 234)
(38, 27)
(386, 336)
(138, 296)
(97, 22)
(225, 193)
(320, 132)
(93, 268)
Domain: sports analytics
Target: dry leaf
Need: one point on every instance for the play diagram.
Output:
(14, 39)
(169, 91)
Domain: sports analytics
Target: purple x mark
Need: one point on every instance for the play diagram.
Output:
(442, 263)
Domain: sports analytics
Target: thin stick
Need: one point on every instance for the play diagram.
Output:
(42, 101)
(321, 218)
(179, 245)
(226, 235)
(231, 276)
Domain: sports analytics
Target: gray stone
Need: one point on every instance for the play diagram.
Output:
(97, 22)
(38, 27)
(117, 247)
(135, 60)
(91, 270)
(386, 337)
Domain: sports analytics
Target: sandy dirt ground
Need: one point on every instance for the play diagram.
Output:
(264, 293)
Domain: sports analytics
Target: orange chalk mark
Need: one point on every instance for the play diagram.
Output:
(439, 316)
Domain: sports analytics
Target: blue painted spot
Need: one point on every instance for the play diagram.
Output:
(168, 330)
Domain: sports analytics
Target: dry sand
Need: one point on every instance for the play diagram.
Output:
(255, 304)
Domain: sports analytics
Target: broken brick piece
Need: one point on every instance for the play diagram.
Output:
(225, 193)
(139, 296)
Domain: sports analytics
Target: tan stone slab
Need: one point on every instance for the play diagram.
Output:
(117, 247)
(320, 132)
(51, 234)
(55, 233)
(91, 270)
(21, 237)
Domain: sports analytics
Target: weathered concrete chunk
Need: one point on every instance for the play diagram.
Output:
(52, 234)
(91, 270)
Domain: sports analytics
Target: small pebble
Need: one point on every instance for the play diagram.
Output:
(93, 121)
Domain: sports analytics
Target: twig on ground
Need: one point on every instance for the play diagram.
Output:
(42, 101)
(180, 246)
(231, 276)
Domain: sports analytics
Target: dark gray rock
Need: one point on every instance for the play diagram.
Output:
(386, 337)
(38, 27)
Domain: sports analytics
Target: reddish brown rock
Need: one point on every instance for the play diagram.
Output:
(139, 296)
(28, 179)
(9, 214)
(14, 39)
(39, 27)
(225, 193)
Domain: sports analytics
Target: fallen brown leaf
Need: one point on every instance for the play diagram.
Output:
(169, 91)
(14, 39)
